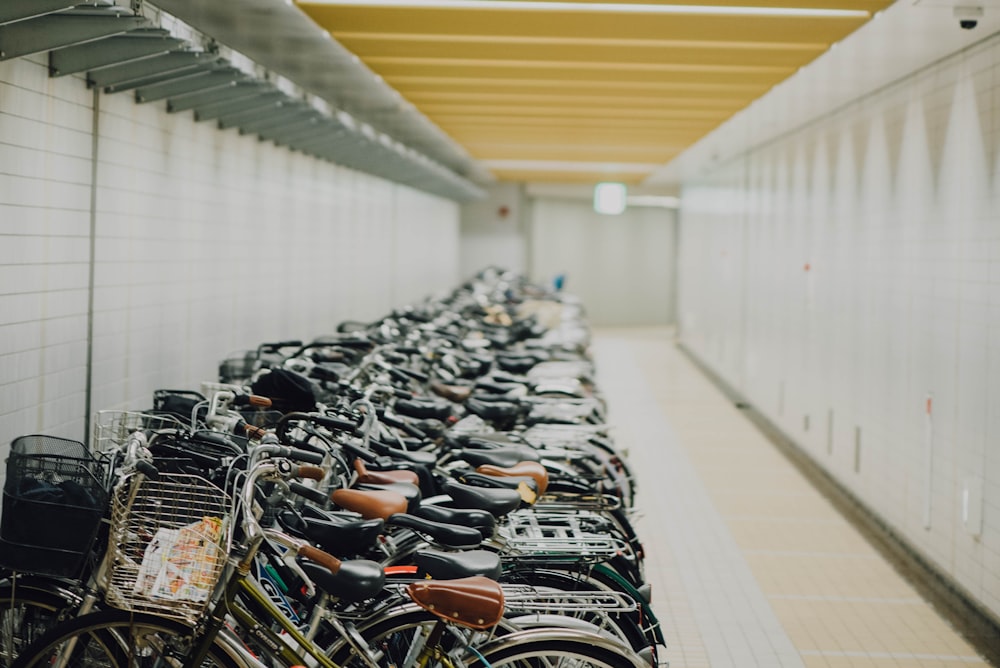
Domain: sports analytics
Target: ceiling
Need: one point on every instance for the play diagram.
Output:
(585, 91)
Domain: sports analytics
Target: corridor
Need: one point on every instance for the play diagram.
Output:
(750, 565)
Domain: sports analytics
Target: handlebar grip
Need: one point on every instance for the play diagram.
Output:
(291, 343)
(359, 452)
(258, 401)
(419, 376)
(305, 492)
(311, 472)
(398, 375)
(254, 433)
(320, 557)
(147, 469)
(302, 455)
(306, 445)
(338, 424)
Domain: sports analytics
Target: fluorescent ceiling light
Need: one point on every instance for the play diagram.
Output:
(573, 166)
(609, 198)
(602, 7)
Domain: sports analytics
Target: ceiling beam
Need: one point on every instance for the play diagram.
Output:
(115, 50)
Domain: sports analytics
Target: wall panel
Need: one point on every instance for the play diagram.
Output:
(844, 278)
(206, 242)
(622, 267)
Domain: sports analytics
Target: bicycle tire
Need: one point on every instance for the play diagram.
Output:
(627, 625)
(119, 639)
(27, 612)
(392, 636)
(554, 648)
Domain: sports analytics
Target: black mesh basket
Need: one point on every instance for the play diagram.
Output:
(53, 501)
(239, 368)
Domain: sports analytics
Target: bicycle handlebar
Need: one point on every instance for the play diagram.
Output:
(337, 424)
(295, 454)
(309, 493)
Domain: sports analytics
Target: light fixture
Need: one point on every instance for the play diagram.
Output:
(609, 198)
(601, 7)
(573, 166)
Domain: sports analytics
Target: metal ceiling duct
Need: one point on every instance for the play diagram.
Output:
(279, 36)
(124, 49)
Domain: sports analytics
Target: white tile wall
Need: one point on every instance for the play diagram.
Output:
(207, 242)
(567, 237)
(842, 274)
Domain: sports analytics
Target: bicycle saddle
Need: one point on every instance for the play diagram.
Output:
(497, 502)
(480, 520)
(476, 479)
(498, 387)
(412, 456)
(516, 363)
(367, 476)
(493, 410)
(371, 504)
(354, 581)
(334, 534)
(456, 393)
(407, 490)
(532, 469)
(475, 602)
(449, 535)
(423, 408)
(504, 457)
(454, 565)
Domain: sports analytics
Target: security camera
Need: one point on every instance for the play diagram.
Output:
(968, 15)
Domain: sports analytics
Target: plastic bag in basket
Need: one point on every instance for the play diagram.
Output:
(181, 564)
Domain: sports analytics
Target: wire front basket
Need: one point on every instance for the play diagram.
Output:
(168, 545)
(113, 428)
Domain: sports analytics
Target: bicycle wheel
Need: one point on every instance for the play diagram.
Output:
(396, 639)
(625, 627)
(554, 648)
(27, 612)
(119, 639)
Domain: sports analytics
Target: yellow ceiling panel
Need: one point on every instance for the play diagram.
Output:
(596, 25)
(590, 53)
(615, 100)
(499, 86)
(588, 92)
(599, 75)
(864, 5)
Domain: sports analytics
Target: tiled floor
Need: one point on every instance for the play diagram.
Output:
(750, 565)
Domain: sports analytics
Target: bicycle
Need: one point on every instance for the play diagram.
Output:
(193, 635)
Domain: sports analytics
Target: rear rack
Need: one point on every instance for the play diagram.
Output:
(525, 598)
(549, 537)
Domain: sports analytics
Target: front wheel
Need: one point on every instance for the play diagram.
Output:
(118, 639)
(29, 608)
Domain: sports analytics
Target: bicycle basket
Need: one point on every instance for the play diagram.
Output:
(177, 403)
(167, 545)
(53, 501)
(239, 368)
(113, 428)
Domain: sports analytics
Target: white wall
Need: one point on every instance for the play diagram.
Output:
(206, 242)
(846, 272)
(493, 230)
(622, 267)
